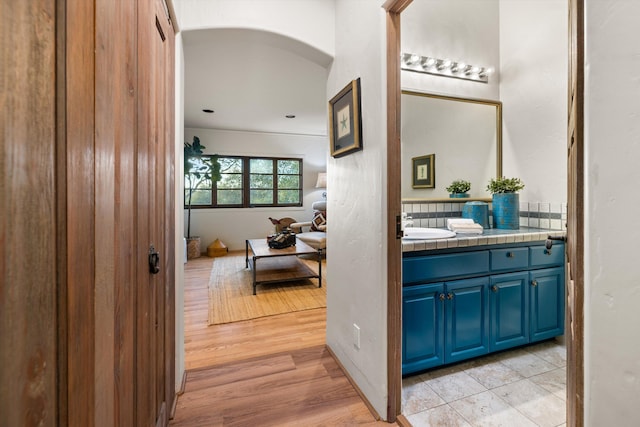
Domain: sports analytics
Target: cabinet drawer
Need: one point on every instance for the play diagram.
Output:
(509, 259)
(543, 257)
(437, 267)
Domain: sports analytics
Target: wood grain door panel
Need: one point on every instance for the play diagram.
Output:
(575, 214)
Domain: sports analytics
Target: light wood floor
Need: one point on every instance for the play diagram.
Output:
(272, 371)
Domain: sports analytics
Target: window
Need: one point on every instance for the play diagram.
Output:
(245, 182)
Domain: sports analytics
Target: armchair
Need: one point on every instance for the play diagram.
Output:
(314, 232)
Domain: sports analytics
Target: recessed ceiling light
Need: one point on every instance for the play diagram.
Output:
(290, 116)
(207, 110)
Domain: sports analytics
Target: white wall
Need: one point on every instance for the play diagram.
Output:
(356, 247)
(612, 271)
(179, 219)
(533, 90)
(452, 29)
(234, 225)
(310, 21)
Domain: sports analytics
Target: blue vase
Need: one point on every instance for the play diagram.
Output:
(506, 211)
(458, 195)
(478, 212)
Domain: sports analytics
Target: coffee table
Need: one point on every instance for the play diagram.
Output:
(280, 265)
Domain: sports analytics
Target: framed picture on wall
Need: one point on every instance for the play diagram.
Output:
(424, 171)
(345, 124)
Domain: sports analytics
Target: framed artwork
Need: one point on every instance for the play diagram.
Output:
(424, 171)
(345, 124)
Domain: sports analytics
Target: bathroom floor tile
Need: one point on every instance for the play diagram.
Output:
(441, 416)
(452, 386)
(550, 351)
(554, 381)
(487, 409)
(519, 387)
(525, 363)
(417, 396)
(539, 405)
(491, 373)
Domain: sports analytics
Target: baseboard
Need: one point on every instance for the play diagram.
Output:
(183, 384)
(402, 421)
(355, 386)
(180, 391)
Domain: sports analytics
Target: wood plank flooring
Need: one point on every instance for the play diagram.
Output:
(272, 371)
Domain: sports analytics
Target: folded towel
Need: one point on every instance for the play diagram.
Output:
(451, 221)
(466, 228)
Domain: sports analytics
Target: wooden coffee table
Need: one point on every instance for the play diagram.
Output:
(280, 265)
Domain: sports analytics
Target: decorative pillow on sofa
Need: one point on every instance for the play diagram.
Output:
(319, 219)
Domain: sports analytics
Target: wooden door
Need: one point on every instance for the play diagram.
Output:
(575, 217)
(28, 222)
(153, 193)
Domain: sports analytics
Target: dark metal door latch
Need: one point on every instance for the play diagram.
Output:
(154, 260)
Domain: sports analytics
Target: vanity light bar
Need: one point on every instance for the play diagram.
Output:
(444, 67)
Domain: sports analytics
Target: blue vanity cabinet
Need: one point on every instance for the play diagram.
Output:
(462, 303)
(444, 323)
(423, 326)
(466, 319)
(509, 302)
(547, 303)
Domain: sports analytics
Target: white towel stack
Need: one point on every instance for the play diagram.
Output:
(464, 226)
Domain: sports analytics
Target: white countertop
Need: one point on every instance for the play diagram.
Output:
(490, 236)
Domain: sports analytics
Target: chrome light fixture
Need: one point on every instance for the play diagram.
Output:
(444, 67)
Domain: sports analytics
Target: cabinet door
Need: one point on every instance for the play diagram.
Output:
(422, 327)
(509, 302)
(466, 319)
(547, 303)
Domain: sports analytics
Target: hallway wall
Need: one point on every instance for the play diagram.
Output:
(612, 271)
(356, 247)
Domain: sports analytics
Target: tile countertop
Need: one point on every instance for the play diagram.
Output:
(490, 236)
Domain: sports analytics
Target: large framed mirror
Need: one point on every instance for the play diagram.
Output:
(463, 134)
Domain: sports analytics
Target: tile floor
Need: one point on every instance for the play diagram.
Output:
(521, 387)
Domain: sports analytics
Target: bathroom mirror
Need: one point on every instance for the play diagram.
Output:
(465, 136)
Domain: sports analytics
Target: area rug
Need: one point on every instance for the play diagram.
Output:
(231, 296)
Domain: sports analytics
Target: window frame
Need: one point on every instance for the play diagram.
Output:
(246, 189)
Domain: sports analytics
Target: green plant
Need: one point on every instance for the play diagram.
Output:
(459, 186)
(505, 185)
(198, 171)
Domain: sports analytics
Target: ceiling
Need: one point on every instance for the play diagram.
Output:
(252, 80)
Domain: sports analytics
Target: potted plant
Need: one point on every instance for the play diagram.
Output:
(506, 202)
(197, 171)
(459, 188)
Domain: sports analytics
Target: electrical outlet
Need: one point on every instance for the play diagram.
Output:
(356, 336)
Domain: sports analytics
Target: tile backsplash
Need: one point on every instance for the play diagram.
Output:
(544, 215)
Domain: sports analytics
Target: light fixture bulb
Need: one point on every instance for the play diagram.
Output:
(457, 67)
(444, 67)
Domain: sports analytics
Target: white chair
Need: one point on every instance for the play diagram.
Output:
(316, 235)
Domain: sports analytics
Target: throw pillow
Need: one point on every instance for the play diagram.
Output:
(319, 218)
